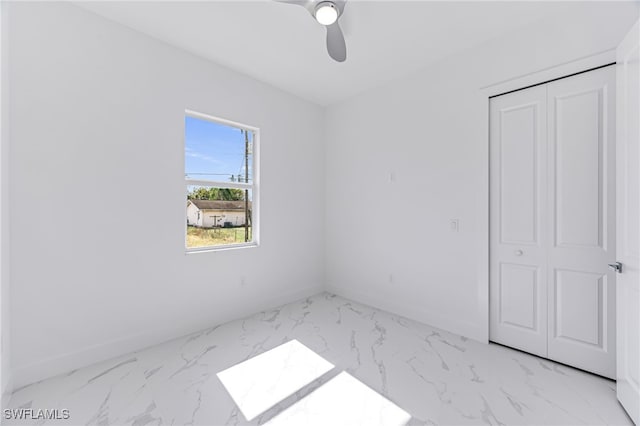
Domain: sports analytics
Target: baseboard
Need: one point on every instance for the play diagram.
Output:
(467, 329)
(7, 390)
(51, 367)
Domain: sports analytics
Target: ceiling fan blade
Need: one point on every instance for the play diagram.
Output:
(335, 43)
(340, 5)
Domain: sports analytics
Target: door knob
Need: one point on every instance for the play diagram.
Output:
(616, 267)
(518, 252)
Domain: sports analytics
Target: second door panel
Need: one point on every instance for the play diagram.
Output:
(581, 138)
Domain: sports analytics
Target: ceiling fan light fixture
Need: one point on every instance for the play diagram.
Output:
(326, 13)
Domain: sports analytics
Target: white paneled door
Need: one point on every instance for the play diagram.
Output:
(518, 204)
(581, 192)
(628, 229)
(553, 220)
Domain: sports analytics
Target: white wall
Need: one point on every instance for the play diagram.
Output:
(97, 116)
(430, 131)
(5, 275)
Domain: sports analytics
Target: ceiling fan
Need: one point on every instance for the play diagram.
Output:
(327, 13)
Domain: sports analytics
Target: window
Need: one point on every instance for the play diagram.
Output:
(221, 183)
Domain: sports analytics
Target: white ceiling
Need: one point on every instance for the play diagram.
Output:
(282, 45)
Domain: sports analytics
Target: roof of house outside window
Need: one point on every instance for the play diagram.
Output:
(219, 204)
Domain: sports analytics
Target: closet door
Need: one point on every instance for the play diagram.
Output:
(518, 229)
(581, 192)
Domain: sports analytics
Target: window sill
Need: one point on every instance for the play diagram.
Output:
(220, 248)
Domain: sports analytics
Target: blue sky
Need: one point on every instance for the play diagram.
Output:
(214, 149)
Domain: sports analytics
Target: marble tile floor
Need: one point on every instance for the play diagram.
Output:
(438, 377)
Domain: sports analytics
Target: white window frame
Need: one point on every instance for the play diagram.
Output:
(253, 186)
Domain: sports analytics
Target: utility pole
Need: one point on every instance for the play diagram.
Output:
(246, 191)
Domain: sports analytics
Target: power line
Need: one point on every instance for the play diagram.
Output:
(210, 174)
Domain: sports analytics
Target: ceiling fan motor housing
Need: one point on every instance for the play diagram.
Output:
(326, 13)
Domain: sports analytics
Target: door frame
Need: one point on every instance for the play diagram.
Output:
(516, 83)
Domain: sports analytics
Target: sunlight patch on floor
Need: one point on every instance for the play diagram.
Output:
(261, 382)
